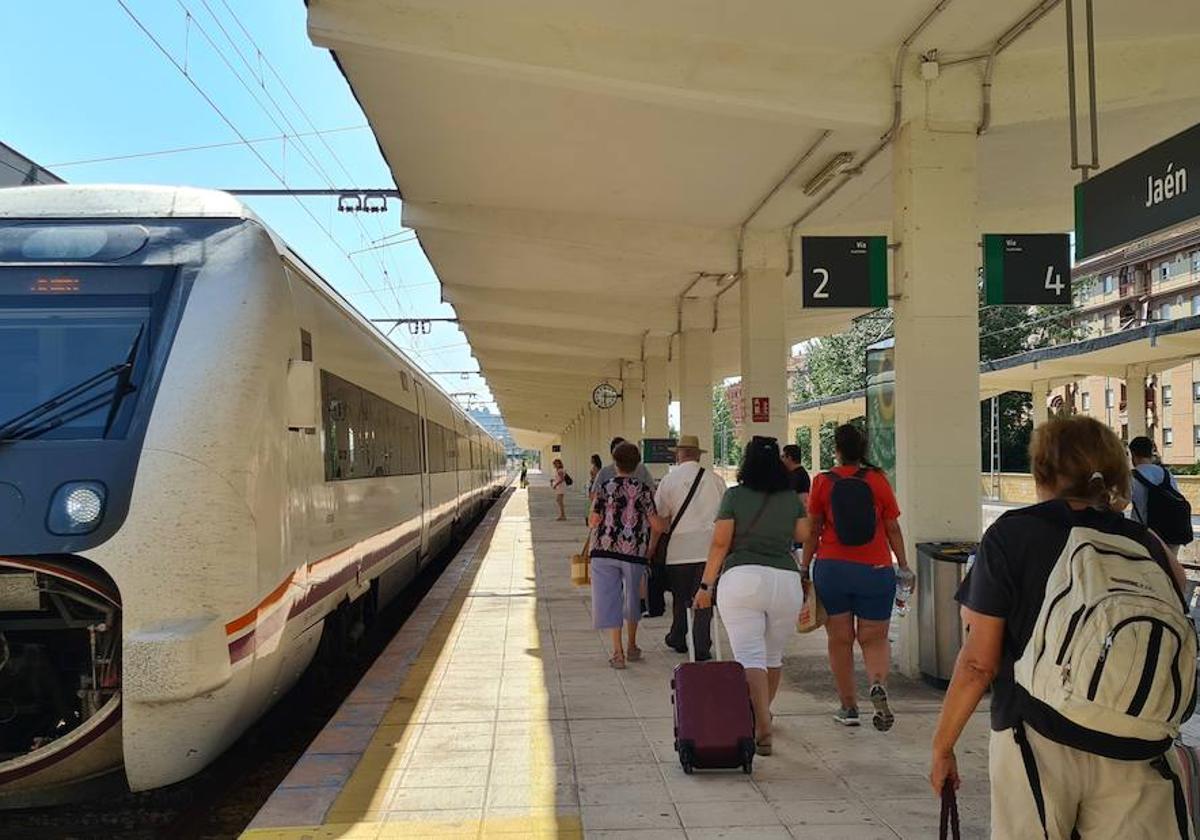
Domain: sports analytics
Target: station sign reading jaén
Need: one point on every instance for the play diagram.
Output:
(844, 271)
(1026, 268)
(1148, 193)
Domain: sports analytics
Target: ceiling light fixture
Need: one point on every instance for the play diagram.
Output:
(836, 165)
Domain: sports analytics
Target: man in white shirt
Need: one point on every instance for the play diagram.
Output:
(690, 539)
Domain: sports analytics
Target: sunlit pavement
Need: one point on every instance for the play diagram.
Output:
(494, 712)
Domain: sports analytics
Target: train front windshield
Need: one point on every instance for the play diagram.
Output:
(75, 342)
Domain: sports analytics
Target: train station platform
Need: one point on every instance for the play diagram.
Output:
(493, 713)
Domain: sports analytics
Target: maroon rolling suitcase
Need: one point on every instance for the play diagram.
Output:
(714, 721)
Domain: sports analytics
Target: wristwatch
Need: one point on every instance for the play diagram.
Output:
(703, 586)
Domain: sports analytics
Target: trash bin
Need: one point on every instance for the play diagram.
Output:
(941, 566)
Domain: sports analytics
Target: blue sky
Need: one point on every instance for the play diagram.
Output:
(85, 82)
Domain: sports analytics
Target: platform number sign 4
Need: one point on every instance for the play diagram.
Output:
(1027, 269)
(844, 271)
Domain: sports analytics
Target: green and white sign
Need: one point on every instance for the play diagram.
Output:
(844, 271)
(1027, 269)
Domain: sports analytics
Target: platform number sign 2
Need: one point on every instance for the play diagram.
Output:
(1026, 269)
(844, 271)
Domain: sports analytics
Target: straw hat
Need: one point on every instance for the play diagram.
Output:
(687, 442)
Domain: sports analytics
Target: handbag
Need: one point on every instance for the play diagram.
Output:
(812, 611)
(660, 551)
(581, 564)
(656, 583)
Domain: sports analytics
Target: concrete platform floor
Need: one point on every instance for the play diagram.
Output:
(494, 713)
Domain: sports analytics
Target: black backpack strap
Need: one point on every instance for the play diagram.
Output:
(1141, 479)
(948, 828)
(862, 472)
(1031, 772)
(688, 500)
(1163, 765)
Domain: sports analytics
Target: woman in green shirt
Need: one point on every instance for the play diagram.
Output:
(759, 522)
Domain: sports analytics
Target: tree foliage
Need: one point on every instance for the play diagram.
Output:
(837, 365)
(727, 449)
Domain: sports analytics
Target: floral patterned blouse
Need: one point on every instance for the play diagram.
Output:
(625, 506)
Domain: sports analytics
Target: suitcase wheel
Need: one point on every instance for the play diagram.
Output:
(748, 752)
(687, 759)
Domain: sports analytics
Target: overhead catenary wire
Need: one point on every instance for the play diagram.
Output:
(198, 148)
(166, 53)
(302, 147)
(264, 60)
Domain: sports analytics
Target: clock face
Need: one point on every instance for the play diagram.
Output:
(605, 395)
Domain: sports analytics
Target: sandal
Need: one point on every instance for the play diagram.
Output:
(617, 661)
(634, 654)
(763, 746)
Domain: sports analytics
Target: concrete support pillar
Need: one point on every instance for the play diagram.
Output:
(814, 447)
(631, 403)
(1041, 402)
(610, 426)
(764, 352)
(937, 342)
(654, 399)
(696, 388)
(1135, 400)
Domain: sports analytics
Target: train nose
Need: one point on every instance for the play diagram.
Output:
(60, 677)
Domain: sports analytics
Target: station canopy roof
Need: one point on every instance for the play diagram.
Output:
(572, 168)
(1157, 346)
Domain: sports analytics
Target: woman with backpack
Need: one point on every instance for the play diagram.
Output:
(1075, 619)
(854, 533)
(760, 595)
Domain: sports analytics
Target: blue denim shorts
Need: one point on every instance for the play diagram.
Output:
(845, 587)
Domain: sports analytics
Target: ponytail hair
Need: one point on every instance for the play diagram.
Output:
(1081, 459)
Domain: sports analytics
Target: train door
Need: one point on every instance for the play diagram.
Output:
(426, 486)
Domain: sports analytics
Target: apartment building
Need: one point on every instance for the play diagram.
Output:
(1161, 289)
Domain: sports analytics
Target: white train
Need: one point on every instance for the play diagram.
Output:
(205, 454)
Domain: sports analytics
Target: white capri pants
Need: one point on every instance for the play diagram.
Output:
(759, 606)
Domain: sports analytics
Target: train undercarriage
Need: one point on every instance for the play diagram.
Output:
(60, 677)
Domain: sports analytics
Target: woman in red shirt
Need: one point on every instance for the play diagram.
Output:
(854, 575)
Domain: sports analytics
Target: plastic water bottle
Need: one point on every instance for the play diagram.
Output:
(905, 581)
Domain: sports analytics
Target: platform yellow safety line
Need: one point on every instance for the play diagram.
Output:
(359, 811)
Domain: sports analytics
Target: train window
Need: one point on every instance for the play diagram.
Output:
(366, 435)
(65, 242)
(437, 448)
